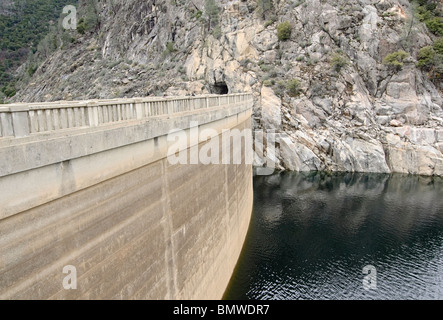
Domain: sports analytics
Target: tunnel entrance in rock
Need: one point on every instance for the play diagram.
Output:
(219, 88)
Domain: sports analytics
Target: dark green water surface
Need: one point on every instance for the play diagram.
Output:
(311, 235)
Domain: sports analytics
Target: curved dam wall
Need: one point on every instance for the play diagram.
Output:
(91, 207)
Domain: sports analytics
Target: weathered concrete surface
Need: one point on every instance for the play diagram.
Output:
(133, 225)
(94, 154)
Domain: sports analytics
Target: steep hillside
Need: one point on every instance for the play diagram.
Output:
(349, 85)
(23, 24)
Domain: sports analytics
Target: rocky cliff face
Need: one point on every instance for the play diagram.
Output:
(348, 111)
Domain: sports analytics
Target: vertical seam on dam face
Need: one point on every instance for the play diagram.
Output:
(170, 251)
(133, 225)
(225, 183)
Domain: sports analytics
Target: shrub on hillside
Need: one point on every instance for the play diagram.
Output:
(338, 61)
(430, 58)
(284, 31)
(396, 59)
(293, 88)
(425, 58)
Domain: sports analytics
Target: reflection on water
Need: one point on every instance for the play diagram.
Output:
(312, 234)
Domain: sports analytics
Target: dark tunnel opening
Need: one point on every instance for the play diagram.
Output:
(219, 88)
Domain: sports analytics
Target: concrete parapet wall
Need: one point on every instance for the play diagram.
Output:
(19, 120)
(107, 201)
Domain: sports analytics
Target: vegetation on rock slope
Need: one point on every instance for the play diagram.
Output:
(22, 27)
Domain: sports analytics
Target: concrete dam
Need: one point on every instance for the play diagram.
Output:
(91, 207)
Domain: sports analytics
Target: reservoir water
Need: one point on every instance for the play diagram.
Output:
(342, 236)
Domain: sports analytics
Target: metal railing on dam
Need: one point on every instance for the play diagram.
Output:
(92, 208)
